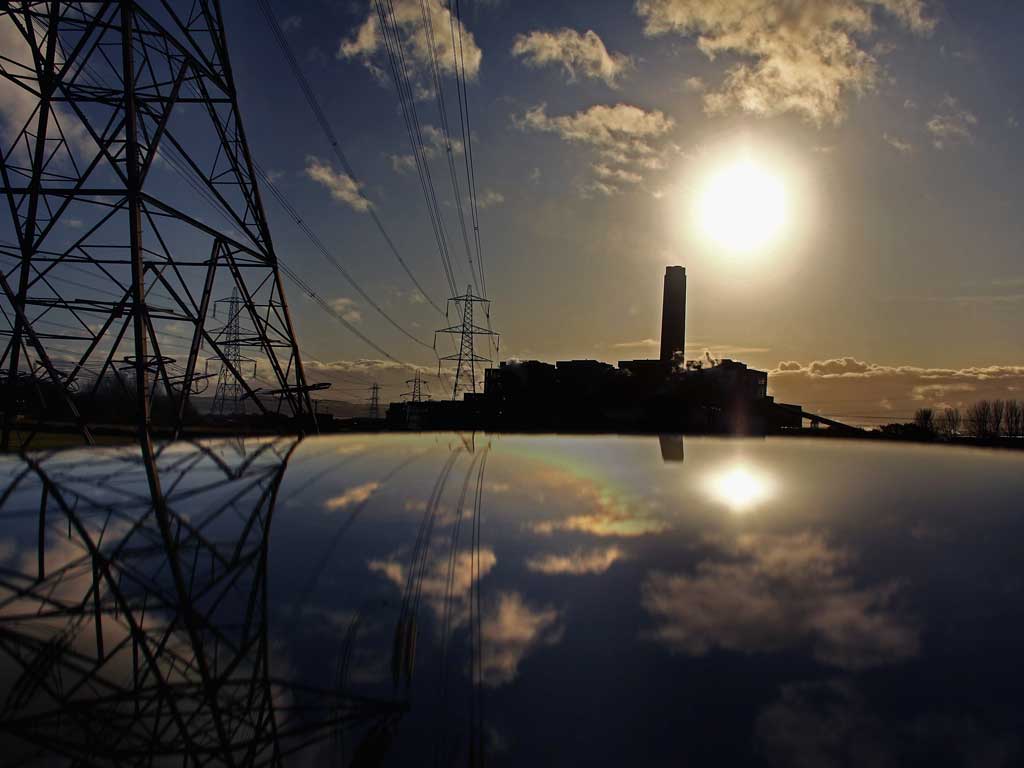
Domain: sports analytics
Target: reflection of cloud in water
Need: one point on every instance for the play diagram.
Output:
(355, 495)
(610, 514)
(603, 524)
(832, 723)
(434, 585)
(511, 629)
(576, 563)
(775, 592)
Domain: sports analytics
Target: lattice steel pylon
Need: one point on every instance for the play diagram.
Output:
(374, 409)
(466, 358)
(227, 399)
(415, 395)
(131, 200)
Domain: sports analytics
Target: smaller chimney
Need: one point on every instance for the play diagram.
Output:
(673, 313)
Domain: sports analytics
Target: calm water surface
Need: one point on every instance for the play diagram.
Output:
(443, 599)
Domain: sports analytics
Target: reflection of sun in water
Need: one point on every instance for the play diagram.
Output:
(740, 487)
(742, 207)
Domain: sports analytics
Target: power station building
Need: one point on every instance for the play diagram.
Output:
(667, 394)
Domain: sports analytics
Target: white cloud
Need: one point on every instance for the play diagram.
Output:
(402, 163)
(490, 198)
(18, 105)
(694, 85)
(578, 54)
(434, 145)
(898, 144)
(342, 187)
(616, 174)
(367, 44)
(291, 22)
(348, 309)
(952, 125)
(801, 56)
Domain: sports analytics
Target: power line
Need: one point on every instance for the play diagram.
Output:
(325, 126)
(443, 112)
(458, 52)
(407, 103)
(326, 253)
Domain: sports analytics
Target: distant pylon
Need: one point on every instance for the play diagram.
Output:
(466, 358)
(374, 410)
(416, 394)
(227, 400)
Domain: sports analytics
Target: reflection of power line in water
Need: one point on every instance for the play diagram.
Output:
(339, 534)
(441, 756)
(403, 655)
(476, 724)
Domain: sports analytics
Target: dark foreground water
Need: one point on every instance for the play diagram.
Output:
(514, 601)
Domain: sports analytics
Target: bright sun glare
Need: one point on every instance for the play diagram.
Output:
(740, 488)
(742, 207)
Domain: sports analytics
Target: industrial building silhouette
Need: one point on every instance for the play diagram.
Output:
(669, 394)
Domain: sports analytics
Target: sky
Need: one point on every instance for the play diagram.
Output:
(893, 127)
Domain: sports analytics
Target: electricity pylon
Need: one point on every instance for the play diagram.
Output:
(415, 395)
(124, 215)
(374, 409)
(227, 399)
(466, 358)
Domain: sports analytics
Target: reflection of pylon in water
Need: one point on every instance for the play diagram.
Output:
(416, 394)
(228, 398)
(374, 410)
(466, 358)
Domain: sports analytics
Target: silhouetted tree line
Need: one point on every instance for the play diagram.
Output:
(984, 420)
(107, 400)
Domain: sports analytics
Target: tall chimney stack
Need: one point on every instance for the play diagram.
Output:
(673, 313)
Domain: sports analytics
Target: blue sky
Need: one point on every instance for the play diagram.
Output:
(894, 125)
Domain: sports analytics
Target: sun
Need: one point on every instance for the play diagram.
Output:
(742, 208)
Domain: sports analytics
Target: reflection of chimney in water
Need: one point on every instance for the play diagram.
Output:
(673, 313)
(671, 447)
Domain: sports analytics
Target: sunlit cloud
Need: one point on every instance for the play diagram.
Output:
(863, 387)
(953, 125)
(348, 309)
(802, 56)
(342, 187)
(764, 593)
(490, 198)
(366, 44)
(903, 147)
(577, 54)
(623, 135)
(578, 563)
